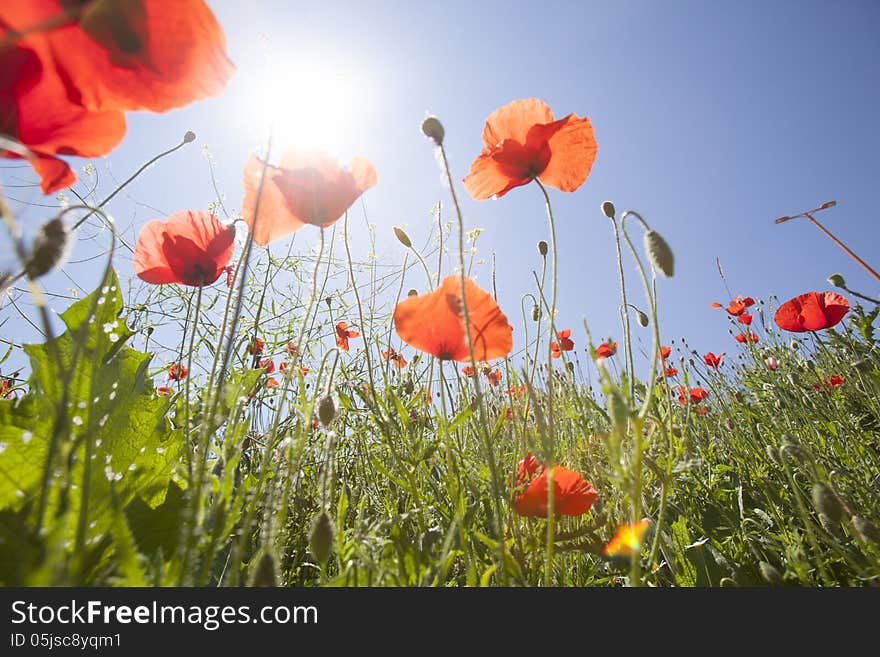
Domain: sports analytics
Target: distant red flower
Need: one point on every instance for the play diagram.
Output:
(745, 337)
(517, 391)
(468, 371)
(307, 188)
(664, 352)
(283, 365)
(745, 318)
(343, 334)
(494, 377)
(771, 363)
(829, 383)
(434, 323)
(395, 357)
(572, 494)
(272, 383)
(523, 142)
(5, 388)
(712, 360)
(606, 349)
(268, 365)
(565, 343)
(230, 275)
(164, 391)
(256, 347)
(190, 248)
(669, 372)
(628, 539)
(696, 395)
(812, 311)
(702, 411)
(737, 306)
(177, 371)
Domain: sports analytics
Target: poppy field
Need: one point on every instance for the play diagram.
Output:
(229, 408)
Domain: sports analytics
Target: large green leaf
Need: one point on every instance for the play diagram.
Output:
(110, 408)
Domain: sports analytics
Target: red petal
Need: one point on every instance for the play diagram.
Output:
(514, 120)
(495, 176)
(573, 151)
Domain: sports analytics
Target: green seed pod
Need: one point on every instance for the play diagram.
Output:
(866, 530)
(837, 280)
(327, 410)
(826, 502)
(402, 237)
(659, 253)
(321, 537)
(542, 247)
(642, 318)
(265, 573)
(49, 250)
(608, 209)
(432, 128)
(770, 574)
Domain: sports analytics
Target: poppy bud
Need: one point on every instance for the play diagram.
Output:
(642, 318)
(837, 280)
(542, 247)
(659, 253)
(536, 312)
(266, 572)
(321, 537)
(189, 137)
(826, 502)
(830, 526)
(432, 128)
(795, 345)
(412, 292)
(866, 530)
(608, 209)
(402, 237)
(327, 410)
(770, 574)
(49, 250)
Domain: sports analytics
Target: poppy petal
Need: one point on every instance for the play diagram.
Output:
(492, 175)
(572, 153)
(514, 120)
(149, 262)
(275, 219)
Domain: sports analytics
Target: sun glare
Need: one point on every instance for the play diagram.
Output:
(306, 107)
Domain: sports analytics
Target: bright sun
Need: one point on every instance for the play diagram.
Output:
(306, 107)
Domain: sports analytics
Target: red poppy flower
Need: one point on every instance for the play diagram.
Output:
(283, 365)
(269, 365)
(696, 395)
(5, 388)
(190, 248)
(712, 360)
(256, 347)
(434, 323)
(392, 355)
(628, 539)
(36, 111)
(565, 343)
(812, 311)
(745, 318)
(177, 371)
(127, 55)
(737, 306)
(664, 352)
(829, 383)
(745, 337)
(702, 411)
(343, 334)
(468, 371)
(164, 391)
(292, 349)
(606, 349)
(523, 142)
(272, 383)
(669, 372)
(307, 188)
(494, 377)
(517, 391)
(572, 494)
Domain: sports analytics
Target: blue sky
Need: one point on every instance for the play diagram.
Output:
(711, 119)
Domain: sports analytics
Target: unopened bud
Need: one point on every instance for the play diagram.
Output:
(432, 128)
(542, 247)
(826, 502)
(642, 318)
(770, 574)
(265, 573)
(402, 237)
(49, 250)
(837, 280)
(327, 410)
(321, 537)
(659, 253)
(866, 530)
(536, 312)
(412, 292)
(608, 209)
(189, 137)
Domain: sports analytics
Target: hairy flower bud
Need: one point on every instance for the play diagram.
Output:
(837, 280)
(866, 530)
(642, 318)
(826, 502)
(432, 128)
(402, 237)
(327, 410)
(542, 247)
(49, 250)
(189, 137)
(321, 537)
(536, 312)
(412, 292)
(265, 573)
(770, 574)
(659, 253)
(608, 209)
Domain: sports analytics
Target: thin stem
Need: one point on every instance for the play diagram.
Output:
(357, 297)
